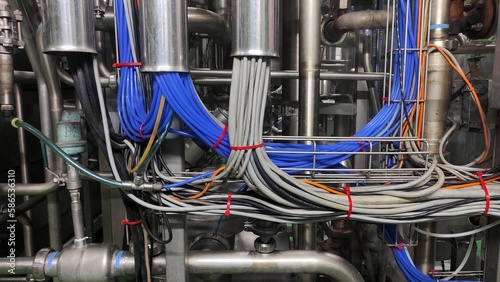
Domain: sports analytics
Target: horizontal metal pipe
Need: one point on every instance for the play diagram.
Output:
(210, 23)
(23, 265)
(333, 30)
(290, 74)
(30, 189)
(276, 262)
(229, 262)
(22, 208)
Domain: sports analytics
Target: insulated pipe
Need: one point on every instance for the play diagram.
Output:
(334, 29)
(163, 36)
(122, 264)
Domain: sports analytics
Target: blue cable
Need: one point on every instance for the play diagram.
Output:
(137, 117)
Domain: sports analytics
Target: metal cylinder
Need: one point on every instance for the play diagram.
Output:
(255, 28)
(68, 26)
(6, 84)
(163, 28)
(439, 17)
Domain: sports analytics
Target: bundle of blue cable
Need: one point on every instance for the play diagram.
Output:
(181, 95)
(137, 117)
(404, 261)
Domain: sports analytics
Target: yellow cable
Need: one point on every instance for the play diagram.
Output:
(152, 138)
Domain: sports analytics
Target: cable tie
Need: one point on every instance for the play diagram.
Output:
(131, 223)
(244, 148)
(400, 245)
(140, 129)
(221, 137)
(227, 213)
(347, 190)
(127, 64)
(385, 99)
(486, 192)
(361, 146)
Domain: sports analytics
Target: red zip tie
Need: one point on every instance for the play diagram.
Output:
(243, 148)
(227, 213)
(400, 245)
(140, 129)
(131, 223)
(347, 190)
(486, 192)
(221, 137)
(130, 64)
(385, 99)
(361, 146)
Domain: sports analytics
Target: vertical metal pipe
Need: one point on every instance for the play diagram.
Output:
(49, 71)
(21, 135)
(74, 185)
(438, 96)
(309, 63)
(290, 61)
(309, 58)
(29, 246)
(6, 82)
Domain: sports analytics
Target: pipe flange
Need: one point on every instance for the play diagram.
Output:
(39, 264)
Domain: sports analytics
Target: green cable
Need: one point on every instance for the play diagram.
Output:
(19, 123)
(142, 169)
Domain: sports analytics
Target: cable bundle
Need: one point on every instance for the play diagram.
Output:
(137, 115)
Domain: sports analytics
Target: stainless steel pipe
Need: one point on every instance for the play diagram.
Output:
(107, 262)
(255, 28)
(68, 26)
(207, 22)
(294, 74)
(333, 30)
(31, 189)
(276, 262)
(163, 29)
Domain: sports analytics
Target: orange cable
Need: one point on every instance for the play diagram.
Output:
(476, 99)
(207, 186)
(460, 186)
(321, 186)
